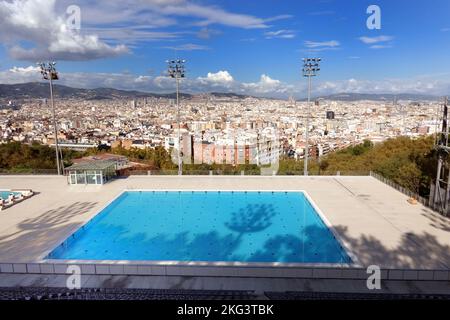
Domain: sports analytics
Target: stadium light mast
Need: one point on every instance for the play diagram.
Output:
(177, 71)
(311, 66)
(49, 73)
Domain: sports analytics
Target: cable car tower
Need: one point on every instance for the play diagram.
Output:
(440, 191)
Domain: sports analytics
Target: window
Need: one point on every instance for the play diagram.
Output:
(81, 178)
(73, 177)
(91, 177)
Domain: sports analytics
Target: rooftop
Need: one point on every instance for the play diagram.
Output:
(100, 157)
(92, 165)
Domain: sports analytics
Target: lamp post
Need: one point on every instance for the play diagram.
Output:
(310, 69)
(49, 73)
(176, 70)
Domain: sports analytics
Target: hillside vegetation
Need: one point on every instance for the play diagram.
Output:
(16, 157)
(409, 162)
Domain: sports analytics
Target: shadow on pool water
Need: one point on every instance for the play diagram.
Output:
(315, 246)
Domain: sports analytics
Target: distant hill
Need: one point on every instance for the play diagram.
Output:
(229, 95)
(379, 97)
(39, 90)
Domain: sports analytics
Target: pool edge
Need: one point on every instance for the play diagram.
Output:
(344, 245)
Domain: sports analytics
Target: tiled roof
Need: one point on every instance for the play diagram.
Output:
(92, 165)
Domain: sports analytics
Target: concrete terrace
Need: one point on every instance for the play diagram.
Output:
(373, 220)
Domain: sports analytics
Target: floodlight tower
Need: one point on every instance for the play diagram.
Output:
(177, 71)
(49, 73)
(311, 66)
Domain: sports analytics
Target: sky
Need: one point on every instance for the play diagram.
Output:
(249, 47)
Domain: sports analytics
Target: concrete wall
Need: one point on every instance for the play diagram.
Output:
(211, 271)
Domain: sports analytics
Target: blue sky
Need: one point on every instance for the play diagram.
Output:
(243, 46)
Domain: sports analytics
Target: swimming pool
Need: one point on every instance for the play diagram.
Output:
(5, 194)
(206, 226)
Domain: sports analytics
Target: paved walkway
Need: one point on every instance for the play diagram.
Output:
(374, 220)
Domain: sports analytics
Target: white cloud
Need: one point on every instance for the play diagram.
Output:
(131, 35)
(280, 34)
(266, 85)
(187, 47)
(379, 42)
(380, 46)
(139, 12)
(419, 85)
(318, 46)
(214, 15)
(207, 33)
(25, 70)
(279, 17)
(374, 40)
(268, 81)
(142, 79)
(220, 78)
(322, 44)
(37, 28)
(36, 22)
(223, 81)
(165, 13)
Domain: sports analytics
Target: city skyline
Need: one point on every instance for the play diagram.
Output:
(245, 48)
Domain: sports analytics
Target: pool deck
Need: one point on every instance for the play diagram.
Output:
(375, 221)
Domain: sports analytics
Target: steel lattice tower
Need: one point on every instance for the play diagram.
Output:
(440, 191)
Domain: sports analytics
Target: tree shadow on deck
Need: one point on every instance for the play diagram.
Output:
(35, 235)
(414, 251)
(437, 220)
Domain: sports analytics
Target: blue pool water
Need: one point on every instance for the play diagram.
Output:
(206, 226)
(5, 194)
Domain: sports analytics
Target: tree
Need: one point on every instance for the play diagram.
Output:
(410, 176)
